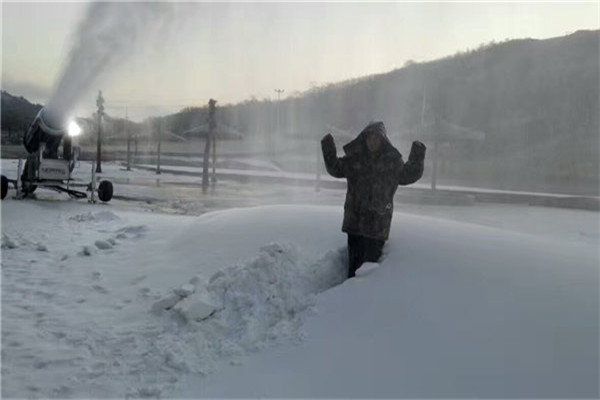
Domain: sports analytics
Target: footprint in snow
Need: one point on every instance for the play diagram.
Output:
(41, 247)
(137, 280)
(8, 243)
(103, 245)
(86, 251)
(100, 289)
(45, 295)
(137, 231)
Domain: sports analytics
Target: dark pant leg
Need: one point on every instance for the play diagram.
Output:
(373, 249)
(355, 253)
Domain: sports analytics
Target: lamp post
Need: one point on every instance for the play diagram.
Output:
(209, 137)
(100, 104)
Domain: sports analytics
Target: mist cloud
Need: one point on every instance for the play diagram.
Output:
(108, 35)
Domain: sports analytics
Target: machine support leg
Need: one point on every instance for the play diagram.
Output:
(18, 193)
(93, 184)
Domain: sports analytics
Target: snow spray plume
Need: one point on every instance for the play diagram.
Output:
(108, 34)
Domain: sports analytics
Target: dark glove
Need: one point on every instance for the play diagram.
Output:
(417, 151)
(327, 139)
(328, 146)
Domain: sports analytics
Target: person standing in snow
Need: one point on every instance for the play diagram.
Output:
(373, 169)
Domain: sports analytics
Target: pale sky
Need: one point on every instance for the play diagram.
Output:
(232, 51)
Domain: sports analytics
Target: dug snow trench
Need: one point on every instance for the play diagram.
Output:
(245, 307)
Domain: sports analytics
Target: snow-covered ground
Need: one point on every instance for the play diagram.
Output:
(479, 301)
(454, 310)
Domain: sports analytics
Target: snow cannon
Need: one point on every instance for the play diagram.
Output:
(43, 166)
(41, 131)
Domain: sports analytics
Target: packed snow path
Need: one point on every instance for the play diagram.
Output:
(454, 310)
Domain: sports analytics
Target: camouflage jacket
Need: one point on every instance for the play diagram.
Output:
(372, 181)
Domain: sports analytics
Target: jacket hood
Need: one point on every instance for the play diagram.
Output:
(359, 144)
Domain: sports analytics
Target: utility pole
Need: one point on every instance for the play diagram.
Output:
(423, 106)
(279, 92)
(319, 158)
(209, 136)
(158, 127)
(128, 140)
(437, 128)
(100, 104)
(213, 178)
(435, 163)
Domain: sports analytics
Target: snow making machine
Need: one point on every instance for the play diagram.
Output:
(44, 168)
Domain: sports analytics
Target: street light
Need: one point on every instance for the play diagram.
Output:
(100, 105)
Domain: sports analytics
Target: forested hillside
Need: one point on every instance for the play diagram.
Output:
(17, 114)
(535, 100)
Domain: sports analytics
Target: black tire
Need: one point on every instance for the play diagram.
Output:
(4, 186)
(105, 191)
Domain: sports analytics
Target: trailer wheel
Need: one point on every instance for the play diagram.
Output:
(105, 191)
(4, 186)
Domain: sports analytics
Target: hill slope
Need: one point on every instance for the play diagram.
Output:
(17, 112)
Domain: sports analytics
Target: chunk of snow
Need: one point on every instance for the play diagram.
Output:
(185, 290)
(166, 303)
(195, 308)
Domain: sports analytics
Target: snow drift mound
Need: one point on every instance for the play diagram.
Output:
(245, 307)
